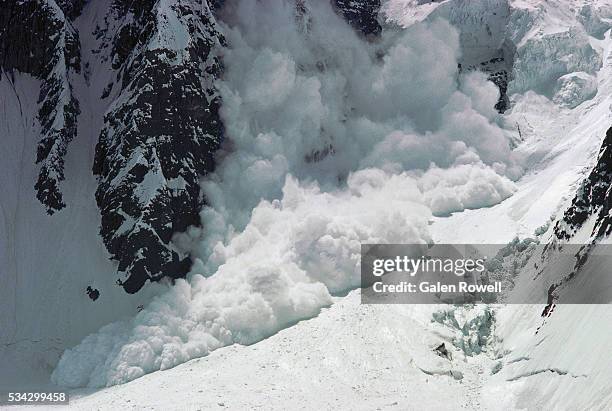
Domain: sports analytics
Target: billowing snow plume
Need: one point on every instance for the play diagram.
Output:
(332, 142)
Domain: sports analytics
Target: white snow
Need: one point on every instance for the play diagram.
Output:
(565, 366)
(351, 356)
(559, 146)
(574, 88)
(381, 356)
(279, 270)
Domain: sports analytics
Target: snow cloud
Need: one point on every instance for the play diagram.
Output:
(332, 141)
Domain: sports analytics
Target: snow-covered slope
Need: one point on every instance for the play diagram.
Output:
(557, 362)
(364, 357)
(48, 262)
(37, 38)
(351, 356)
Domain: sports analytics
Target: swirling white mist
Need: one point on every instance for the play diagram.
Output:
(332, 141)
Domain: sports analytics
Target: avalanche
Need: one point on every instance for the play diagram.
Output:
(448, 122)
(283, 231)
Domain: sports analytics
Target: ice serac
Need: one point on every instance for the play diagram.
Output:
(483, 41)
(160, 133)
(552, 41)
(37, 38)
(521, 44)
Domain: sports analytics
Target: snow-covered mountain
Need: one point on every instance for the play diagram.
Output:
(251, 147)
(592, 199)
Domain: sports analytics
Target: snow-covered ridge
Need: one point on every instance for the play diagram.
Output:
(591, 200)
(58, 57)
(160, 128)
(582, 232)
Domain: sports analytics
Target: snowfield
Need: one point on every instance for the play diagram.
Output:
(354, 356)
(382, 356)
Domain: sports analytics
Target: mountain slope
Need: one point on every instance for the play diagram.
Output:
(160, 132)
(350, 356)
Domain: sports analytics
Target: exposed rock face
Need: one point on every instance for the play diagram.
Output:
(160, 134)
(37, 37)
(71, 8)
(361, 14)
(592, 199)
